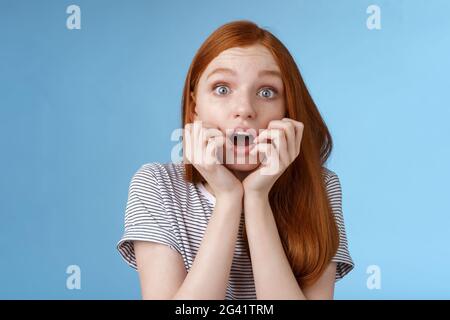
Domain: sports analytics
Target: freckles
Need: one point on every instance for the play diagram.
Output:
(217, 105)
(213, 110)
(270, 116)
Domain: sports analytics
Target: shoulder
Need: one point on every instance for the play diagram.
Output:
(333, 188)
(331, 179)
(342, 257)
(165, 181)
(157, 172)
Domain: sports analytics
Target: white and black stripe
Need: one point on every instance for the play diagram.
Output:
(162, 207)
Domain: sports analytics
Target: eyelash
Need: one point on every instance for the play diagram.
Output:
(275, 91)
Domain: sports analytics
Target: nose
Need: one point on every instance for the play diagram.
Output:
(243, 109)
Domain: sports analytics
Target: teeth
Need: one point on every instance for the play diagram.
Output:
(241, 136)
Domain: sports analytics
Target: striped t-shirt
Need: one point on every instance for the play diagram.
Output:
(163, 207)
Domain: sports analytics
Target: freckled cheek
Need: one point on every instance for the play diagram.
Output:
(278, 111)
(211, 111)
(216, 105)
(271, 112)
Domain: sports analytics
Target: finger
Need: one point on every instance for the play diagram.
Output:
(278, 139)
(271, 160)
(289, 133)
(215, 142)
(263, 136)
(209, 133)
(211, 150)
(299, 127)
(291, 136)
(267, 149)
(222, 140)
(220, 153)
(217, 139)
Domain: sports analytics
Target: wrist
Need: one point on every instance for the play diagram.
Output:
(256, 196)
(233, 197)
(256, 204)
(260, 192)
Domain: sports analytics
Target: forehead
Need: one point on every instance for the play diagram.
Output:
(252, 58)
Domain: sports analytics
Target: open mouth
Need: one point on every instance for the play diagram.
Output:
(242, 144)
(242, 139)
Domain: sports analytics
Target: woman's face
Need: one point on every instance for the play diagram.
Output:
(240, 88)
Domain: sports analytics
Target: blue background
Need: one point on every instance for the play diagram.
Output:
(81, 110)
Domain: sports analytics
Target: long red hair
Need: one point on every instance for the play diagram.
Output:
(298, 198)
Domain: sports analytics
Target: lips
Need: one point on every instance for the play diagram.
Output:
(242, 139)
(242, 136)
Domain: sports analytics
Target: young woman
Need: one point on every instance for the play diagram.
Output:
(207, 229)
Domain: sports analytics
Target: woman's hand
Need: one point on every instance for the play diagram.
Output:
(284, 146)
(202, 144)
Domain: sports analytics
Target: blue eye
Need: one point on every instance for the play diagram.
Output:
(268, 93)
(221, 90)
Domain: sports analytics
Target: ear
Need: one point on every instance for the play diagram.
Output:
(195, 105)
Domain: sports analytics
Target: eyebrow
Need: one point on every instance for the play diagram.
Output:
(275, 73)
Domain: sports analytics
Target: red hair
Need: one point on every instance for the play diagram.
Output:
(298, 199)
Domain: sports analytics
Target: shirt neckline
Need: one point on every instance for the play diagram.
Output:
(206, 193)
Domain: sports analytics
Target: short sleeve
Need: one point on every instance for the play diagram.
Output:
(146, 217)
(342, 257)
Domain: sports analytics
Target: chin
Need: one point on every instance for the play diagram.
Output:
(242, 167)
(240, 162)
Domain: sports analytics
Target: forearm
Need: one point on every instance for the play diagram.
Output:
(272, 272)
(208, 276)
